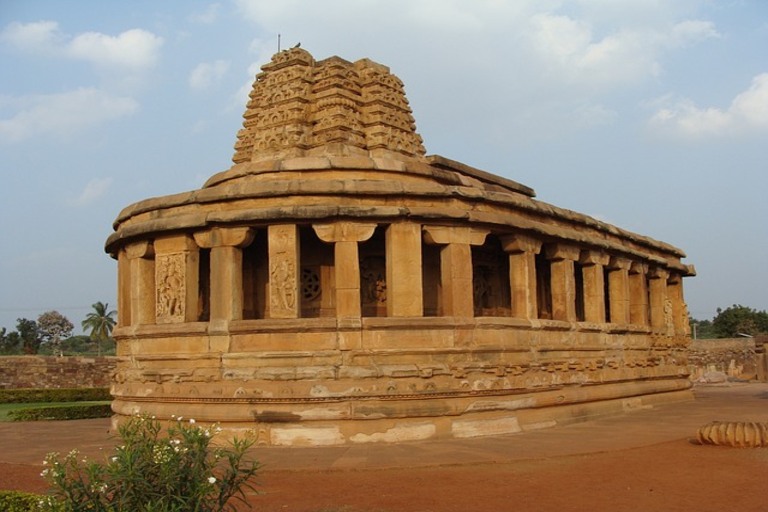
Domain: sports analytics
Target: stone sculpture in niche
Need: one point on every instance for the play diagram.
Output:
(283, 274)
(171, 287)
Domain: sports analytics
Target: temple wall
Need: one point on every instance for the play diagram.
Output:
(56, 372)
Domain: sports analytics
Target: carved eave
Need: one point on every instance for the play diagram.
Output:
(491, 181)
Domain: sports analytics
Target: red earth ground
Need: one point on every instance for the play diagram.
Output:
(671, 476)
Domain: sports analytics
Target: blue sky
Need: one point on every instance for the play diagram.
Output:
(648, 114)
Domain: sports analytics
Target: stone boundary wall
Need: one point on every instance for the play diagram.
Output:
(55, 372)
(731, 358)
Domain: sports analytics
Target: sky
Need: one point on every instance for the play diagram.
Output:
(648, 114)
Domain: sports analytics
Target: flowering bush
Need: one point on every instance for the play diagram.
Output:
(156, 470)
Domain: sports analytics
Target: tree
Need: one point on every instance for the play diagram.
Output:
(739, 320)
(52, 327)
(28, 335)
(9, 342)
(702, 329)
(100, 322)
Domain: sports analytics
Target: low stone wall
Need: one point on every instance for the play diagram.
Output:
(731, 358)
(55, 372)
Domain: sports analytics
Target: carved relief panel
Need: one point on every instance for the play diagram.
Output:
(283, 246)
(171, 287)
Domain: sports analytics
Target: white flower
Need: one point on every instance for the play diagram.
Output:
(192, 421)
(211, 480)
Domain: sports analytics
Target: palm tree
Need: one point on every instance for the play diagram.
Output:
(100, 322)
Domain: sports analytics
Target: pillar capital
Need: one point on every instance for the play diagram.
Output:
(175, 243)
(224, 237)
(558, 252)
(139, 250)
(658, 273)
(638, 268)
(344, 231)
(589, 258)
(674, 278)
(443, 235)
(618, 263)
(515, 244)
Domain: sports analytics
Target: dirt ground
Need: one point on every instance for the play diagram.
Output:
(672, 476)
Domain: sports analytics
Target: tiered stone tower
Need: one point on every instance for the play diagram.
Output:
(299, 107)
(337, 286)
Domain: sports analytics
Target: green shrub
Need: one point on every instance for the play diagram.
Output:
(31, 395)
(63, 412)
(13, 501)
(157, 470)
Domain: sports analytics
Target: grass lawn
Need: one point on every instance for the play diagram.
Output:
(6, 408)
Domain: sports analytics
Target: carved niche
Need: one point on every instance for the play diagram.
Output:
(373, 281)
(282, 275)
(171, 287)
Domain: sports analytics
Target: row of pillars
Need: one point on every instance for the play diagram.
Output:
(159, 280)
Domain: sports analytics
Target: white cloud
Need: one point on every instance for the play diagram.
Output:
(207, 74)
(206, 16)
(133, 49)
(692, 31)
(63, 114)
(625, 55)
(93, 190)
(752, 104)
(39, 36)
(747, 112)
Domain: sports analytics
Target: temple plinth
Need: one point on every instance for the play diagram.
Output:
(338, 286)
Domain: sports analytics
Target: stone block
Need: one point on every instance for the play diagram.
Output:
(485, 427)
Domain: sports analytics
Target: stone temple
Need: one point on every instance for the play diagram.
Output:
(338, 286)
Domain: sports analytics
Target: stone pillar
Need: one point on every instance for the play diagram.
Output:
(638, 294)
(522, 252)
(177, 268)
(679, 310)
(618, 290)
(661, 312)
(226, 270)
(456, 266)
(594, 285)
(142, 283)
(404, 280)
(563, 282)
(345, 236)
(284, 265)
(123, 289)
